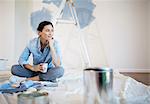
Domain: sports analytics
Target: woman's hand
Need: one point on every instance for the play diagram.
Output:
(51, 42)
(55, 57)
(38, 67)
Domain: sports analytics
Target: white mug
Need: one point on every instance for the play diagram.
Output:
(45, 66)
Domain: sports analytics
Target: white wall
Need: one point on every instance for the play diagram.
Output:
(14, 28)
(123, 28)
(7, 30)
(22, 26)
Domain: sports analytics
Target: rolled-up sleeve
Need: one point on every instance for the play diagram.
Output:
(23, 59)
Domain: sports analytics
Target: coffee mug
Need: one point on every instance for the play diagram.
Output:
(45, 66)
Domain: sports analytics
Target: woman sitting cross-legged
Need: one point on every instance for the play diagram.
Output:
(46, 55)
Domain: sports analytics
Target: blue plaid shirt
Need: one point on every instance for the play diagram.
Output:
(34, 47)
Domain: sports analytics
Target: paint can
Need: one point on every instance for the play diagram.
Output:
(33, 98)
(98, 83)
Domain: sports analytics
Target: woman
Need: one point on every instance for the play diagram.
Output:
(44, 49)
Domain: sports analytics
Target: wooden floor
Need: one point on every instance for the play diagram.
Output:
(143, 77)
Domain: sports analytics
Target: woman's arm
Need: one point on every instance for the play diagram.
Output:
(23, 61)
(55, 57)
(35, 68)
(28, 66)
(53, 50)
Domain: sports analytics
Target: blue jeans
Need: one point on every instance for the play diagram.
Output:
(50, 75)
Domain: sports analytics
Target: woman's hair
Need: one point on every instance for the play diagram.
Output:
(42, 24)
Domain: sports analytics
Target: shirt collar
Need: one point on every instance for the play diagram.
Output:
(39, 44)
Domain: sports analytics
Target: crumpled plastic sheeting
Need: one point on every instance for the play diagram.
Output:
(126, 90)
(130, 91)
(71, 90)
(136, 93)
(8, 99)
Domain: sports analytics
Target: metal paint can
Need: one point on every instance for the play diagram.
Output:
(98, 83)
(33, 98)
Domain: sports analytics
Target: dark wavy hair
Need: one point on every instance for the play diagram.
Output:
(42, 24)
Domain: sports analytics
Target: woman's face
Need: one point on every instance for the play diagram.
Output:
(47, 32)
